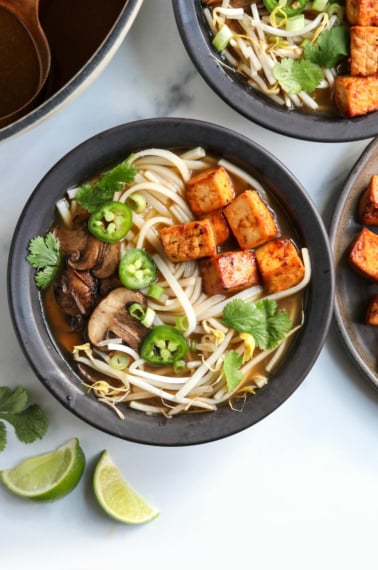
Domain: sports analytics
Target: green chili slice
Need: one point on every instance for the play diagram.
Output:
(164, 345)
(136, 269)
(111, 222)
(289, 7)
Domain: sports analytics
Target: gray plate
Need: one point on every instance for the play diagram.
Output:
(353, 290)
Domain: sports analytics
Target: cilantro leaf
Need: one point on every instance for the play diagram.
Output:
(29, 421)
(3, 436)
(297, 75)
(13, 401)
(263, 320)
(232, 361)
(46, 256)
(330, 45)
(93, 196)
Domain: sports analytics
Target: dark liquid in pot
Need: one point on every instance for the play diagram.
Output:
(19, 64)
(75, 29)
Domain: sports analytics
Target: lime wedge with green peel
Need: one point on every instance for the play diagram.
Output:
(49, 476)
(116, 497)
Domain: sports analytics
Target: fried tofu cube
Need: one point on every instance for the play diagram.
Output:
(372, 311)
(364, 50)
(356, 95)
(229, 272)
(279, 264)
(364, 254)
(251, 220)
(209, 190)
(185, 242)
(220, 226)
(362, 12)
(368, 205)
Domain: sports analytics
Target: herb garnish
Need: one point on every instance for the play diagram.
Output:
(232, 361)
(29, 421)
(46, 256)
(263, 320)
(306, 74)
(92, 196)
(295, 76)
(330, 45)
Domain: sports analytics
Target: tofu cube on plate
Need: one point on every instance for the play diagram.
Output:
(368, 205)
(364, 254)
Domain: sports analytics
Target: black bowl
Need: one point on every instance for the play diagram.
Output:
(253, 105)
(99, 153)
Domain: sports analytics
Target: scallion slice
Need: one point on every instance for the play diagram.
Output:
(222, 38)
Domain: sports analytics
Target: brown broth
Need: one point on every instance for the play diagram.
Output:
(75, 29)
(19, 64)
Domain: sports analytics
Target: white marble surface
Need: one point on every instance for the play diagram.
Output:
(299, 490)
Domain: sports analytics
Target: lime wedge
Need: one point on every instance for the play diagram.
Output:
(116, 497)
(49, 476)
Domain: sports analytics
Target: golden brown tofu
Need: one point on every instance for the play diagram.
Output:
(356, 95)
(229, 271)
(251, 220)
(362, 12)
(368, 205)
(364, 254)
(279, 264)
(364, 50)
(192, 240)
(220, 226)
(209, 191)
(372, 311)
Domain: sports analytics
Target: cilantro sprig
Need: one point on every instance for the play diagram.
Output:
(46, 256)
(306, 74)
(263, 320)
(92, 196)
(330, 45)
(299, 75)
(231, 364)
(28, 420)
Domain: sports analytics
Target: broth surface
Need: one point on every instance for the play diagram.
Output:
(75, 29)
(19, 64)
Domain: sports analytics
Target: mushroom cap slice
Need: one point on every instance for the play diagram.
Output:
(112, 318)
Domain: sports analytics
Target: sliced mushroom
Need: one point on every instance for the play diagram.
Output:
(108, 262)
(72, 238)
(88, 256)
(111, 317)
(75, 291)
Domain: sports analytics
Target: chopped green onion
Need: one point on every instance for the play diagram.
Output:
(136, 310)
(179, 366)
(136, 202)
(295, 23)
(119, 361)
(319, 5)
(182, 324)
(222, 38)
(155, 291)
(148, 317)
(337, 10)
